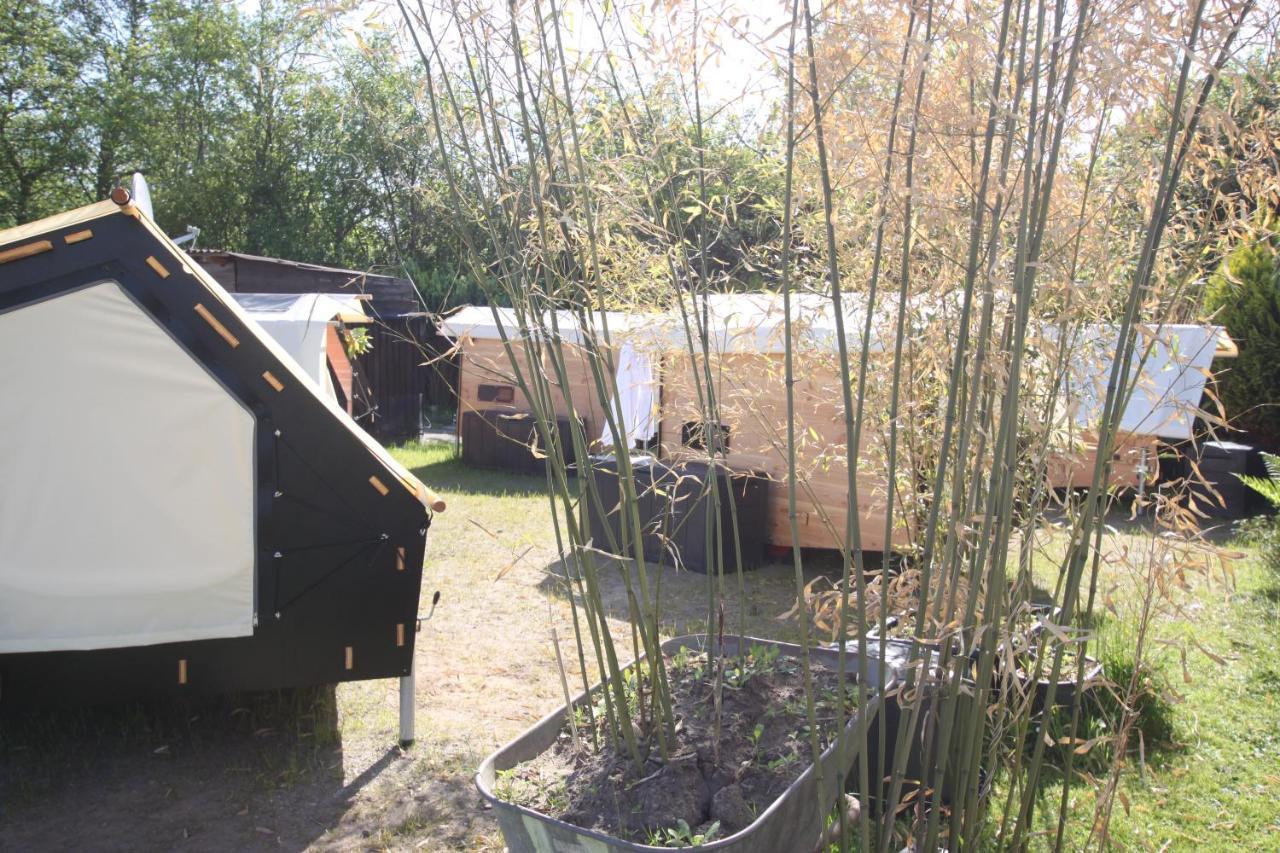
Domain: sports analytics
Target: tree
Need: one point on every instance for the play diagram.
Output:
(42, 112)
(1234, 169)
(1245, 294)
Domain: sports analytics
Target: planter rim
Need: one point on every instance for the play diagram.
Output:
(698, 642)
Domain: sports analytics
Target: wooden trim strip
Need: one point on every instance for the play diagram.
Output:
(272, 381)
(182, 670)
(379, 485)
(420, 492)
(400, 559)
(160, 268)
(26, 250)
(222, 330)
(399, 633)
(350, 657)
(78, 237)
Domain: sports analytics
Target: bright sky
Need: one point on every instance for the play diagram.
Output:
(735, 38)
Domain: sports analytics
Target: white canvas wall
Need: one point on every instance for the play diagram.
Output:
(126, 483)
(1169, 369)
(300, 324)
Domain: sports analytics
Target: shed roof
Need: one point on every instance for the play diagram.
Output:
(238, 272)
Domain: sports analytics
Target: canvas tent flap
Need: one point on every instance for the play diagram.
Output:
(100, 544)
(172, 483)
(300, 323)
(1169, 369)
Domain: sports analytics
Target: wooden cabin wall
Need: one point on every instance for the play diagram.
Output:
(484, 363)
(398, 375)
(753, 405)
(340, 364)
(1074, 469)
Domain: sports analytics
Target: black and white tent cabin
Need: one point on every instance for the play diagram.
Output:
(180, 508)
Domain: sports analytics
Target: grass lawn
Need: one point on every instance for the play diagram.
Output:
(319, 768)
(1216, 786)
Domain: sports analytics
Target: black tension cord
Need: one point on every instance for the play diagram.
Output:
(377, 546)
(337, 493)
(374, 540)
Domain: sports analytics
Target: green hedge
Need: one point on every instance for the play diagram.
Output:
(1245, 294)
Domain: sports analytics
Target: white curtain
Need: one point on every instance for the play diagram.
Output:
(637, 397)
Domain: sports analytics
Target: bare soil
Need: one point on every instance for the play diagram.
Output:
(710, 781)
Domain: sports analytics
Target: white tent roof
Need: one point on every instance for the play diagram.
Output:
(1163, 404)
(756, 322)
(479, 323)
(302, 307)
(1169, 382)
(298, 323)
(738, 322)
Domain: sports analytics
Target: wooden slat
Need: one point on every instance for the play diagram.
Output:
(350, 657)
(79, 236)
(223, 331)
(26, 250)
(1074, 469)
(182, 670)
(154, 263)
(379, 485)
(50, 224)
(272, 381)
(400, 559)
(484, 362)
(752, 395)
(400, 634)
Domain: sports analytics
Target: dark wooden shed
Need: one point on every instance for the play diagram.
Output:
(394, 382)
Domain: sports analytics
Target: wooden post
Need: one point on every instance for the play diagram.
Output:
(407, 706)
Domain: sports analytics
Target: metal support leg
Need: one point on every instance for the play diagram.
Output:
(408, 682)
(407, 706)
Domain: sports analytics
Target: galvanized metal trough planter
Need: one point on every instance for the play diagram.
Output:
(791, 824)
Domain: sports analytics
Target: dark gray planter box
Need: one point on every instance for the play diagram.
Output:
(792, 823)
(503, 440)
(1221, 463)
(676, 510)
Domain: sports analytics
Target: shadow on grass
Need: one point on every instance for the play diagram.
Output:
(223, 772)
(444, 471)
(754, 608)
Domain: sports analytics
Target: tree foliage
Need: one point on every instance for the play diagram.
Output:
(1245, 294)
(278, 130)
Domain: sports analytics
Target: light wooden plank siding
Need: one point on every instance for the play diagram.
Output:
(337, 355)
(1074, 469)
(753, 405)
(484, 362)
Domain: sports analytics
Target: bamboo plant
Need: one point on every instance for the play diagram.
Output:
(947, 191)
